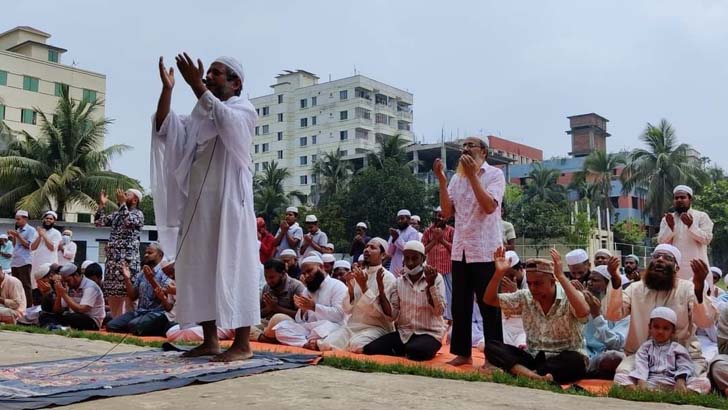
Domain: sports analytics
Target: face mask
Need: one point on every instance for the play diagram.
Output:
(66, 239)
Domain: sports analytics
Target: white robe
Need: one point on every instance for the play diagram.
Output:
(203, 198)
(692, 242)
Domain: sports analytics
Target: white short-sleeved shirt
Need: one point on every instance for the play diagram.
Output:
(89, 294)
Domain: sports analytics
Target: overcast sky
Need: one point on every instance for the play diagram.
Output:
(515, 69)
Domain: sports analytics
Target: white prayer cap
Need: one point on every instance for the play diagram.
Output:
(683, 188)
(361, 258)
(633, 257)
(68, 232)
(137, 193)
(312, 259)
(415, 218)
(416, 246)
(86, 264)
(22, 213)
(68, 269)
(328, 258)
(233, 64)
(41, 271)
(716, 271)
(330, 246)
(292, 209)
(512, 258)
(666, 247)
(404, 212)
(438, 209)
(602, 270)
(342, 264)
(3, 236)
(51, 213)
(311, 219)
(288, 252)
(577, 256)
(603, 251)
(663, 312)
(379, 241)
(361, 225)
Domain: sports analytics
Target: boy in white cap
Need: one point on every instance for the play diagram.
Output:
(315, 239)
(359, 242)
(688, 229)
(67, 248)
(342, 269)
(21, 264)
(417, 307)
(663, 364)
(399, 236)
(290, 234)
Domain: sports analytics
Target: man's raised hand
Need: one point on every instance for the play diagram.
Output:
(190, 72)
(167, 77)
(438, 168)
(613, 269)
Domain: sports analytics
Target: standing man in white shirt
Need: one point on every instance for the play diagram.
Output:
(474, 197)
(687, 229)
(21, 265)
(398, 239)
(315, 239)
(290, 234)
(67, 248)
(45, 245)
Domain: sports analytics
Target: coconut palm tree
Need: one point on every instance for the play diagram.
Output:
(598, 173)
(269, 196)
(65, 166)
(542, 185)
(334, 173)
(659, 167)
(390, 147)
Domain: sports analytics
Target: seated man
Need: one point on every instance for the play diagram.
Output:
(149, 318)
(79, 302)
(342, 269)
(12, 298)
(579, 265)
(320, 310)
(553, 316)
(329, 261)
(276, 297)
(417, 306)
(368, 322)
(94, 272)
(719, 365)
(290, 260)
(660, 286)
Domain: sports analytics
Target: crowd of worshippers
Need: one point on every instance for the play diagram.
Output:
(659, 322)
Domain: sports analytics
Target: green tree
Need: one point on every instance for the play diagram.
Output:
(270, 198)
(714, 200)
(629, 231)
(657, 169)
(598, 173)
(581, 230)
(147, 207)
(542, 185)
(334, 173)
(390, 148)
(540, 221)
(64, 166)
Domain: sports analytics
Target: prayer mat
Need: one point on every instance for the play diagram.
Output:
(62, 382)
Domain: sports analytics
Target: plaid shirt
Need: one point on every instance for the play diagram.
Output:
(439, 256)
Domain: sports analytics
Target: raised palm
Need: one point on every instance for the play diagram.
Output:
(167, 76)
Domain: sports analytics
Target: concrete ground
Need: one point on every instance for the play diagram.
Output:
(314, 387)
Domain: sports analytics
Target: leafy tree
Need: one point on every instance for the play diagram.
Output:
(578, 235)
(542, 185)
(539, 221)
(629, 232)
(597, 173)
(147, 207)
(390, 148)
(334, 173)
(270, 198)
(714, 200)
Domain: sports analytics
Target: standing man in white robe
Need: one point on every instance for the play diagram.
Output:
(203, 191)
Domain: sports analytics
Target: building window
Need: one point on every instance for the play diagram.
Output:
(304, 122)
(257, 130)
(313, 120)
(280, 99)
(28, 116)
(266, 129)
(313, 139)
(303, 179)
(343, 115)
(3, 77)
(280, 117)
(635, 203)
(266, 147)
(313, 101)
(381, 119)
(30, 83)
(280, 154)
(2, 112)
(257, 167)
(314, 178)
(343, 135)
(344, 152)
(266, 111)
(89, 95)
(279, 135)
(303, 160)
(304, 103)
(314, 157)
(257, 111)
(257, 148)
(343, 94)
(303, 141)
(53, 56)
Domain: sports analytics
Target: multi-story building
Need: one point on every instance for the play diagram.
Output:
(303, 119)
(33, 76)
(518, 153)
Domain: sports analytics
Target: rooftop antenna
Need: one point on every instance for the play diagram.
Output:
(354, 69)
(329, 77)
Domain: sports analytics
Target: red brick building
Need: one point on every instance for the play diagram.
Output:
(519, 153)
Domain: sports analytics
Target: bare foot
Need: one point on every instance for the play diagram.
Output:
(547, 378)
(460, 361)
(232, 354)
(202, 350)
(311, 345)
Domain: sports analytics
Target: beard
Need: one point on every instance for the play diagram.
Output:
(402, 226)
(681, 209)
(48, 227)
(660, 277)
(314, 284)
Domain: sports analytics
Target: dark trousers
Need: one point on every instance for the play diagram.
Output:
(73, 320)
(418, 347)
(23, 275)
(140, 323)
(470, 279)
(566, 367)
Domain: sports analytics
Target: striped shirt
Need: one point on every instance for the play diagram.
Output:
(412, 311)
(439, 256)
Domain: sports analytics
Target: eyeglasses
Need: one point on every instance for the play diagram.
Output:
(665, 256)
(471, 145)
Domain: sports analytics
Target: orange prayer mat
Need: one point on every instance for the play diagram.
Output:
(593, 386)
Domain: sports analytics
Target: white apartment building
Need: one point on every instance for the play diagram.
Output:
(303, 119)
(32, 76)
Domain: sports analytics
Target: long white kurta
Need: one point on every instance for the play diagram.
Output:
(692, 242)
(203, 200)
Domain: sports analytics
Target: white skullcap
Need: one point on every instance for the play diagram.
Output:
(361, 225)
(512, 258)
(404, 212)
(602, 270)
(666, 247)
(68, 231)
(51, 213)
(604, 251)
(683, 188)
(137, 193)
(86, 264)
(576, 256)
(716, 271)
(41, 270)
(380, 241)
(68, 269)
(361, 258)
(312, 259)
(311, 218)
(330, 246)
(633, 257)
(328, 258)
(292, 209)
(233, 64)
(438, 209)
(415, 246)
(3, 236)
(666, 313)
(22, 213)
(288, 252)
(415, 218)
(342, 264)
